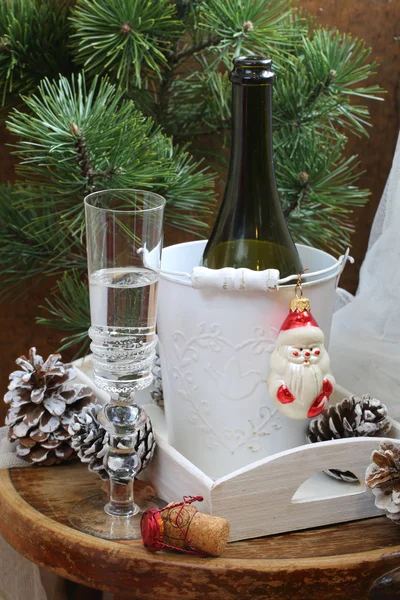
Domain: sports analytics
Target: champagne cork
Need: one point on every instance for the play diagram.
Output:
(181, 527)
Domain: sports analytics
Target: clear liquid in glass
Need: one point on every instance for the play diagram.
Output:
(123, 305)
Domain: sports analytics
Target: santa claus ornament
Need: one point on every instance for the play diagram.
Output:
(299, 380)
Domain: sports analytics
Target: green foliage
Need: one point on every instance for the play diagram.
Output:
(124, 37)
(327, 80)
(33, 44)
(77, 139)
(69, 310)
(152, 111)
(189, 187)
(241, 25)
(16, 242)
(31, 247)
(317, 189)
(202, 101)
(335, 65)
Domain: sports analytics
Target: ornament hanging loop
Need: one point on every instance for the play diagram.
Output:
(298, 302)
(298, 292)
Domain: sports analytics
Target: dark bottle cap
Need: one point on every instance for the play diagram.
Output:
(252, 70)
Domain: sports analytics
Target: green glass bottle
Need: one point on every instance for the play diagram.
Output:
(250, 230)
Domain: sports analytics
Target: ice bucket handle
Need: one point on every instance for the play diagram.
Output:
(241, 280)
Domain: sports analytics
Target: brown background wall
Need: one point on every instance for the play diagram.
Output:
(376, 21)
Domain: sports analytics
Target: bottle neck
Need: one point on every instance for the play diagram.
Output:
(252, 129)
(250, 230)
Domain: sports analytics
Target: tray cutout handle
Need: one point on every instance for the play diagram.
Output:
(323, 487)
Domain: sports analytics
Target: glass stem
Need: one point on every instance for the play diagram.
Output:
(120, 418)
(121, 499)
(122, 468)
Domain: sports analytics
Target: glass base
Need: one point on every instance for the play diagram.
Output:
(89, 516)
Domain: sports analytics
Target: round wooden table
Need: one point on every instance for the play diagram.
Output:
(353, 561)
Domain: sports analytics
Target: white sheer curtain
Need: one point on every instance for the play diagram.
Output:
(365, 339)
(19, 578)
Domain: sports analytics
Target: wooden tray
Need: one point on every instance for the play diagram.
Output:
(285, 492)
(353, 561)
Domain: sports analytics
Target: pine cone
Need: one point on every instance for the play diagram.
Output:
(157, 393)
(90, 440)
(42, 403)
(352, 417)
(383, 477)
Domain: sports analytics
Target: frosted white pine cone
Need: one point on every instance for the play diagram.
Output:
(42, 401)
(90, 440)
(383, 478)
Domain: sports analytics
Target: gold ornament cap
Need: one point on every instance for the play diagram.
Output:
(299, 302)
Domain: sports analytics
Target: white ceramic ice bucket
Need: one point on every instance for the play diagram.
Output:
(215, 347)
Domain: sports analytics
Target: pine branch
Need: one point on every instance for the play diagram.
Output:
(82, 133)
(125, 37)
(295, 202)
(83, 158)
(18, 256)
(202, 98)
(69, 310)
(78, 139)
(73, 140)
(179, 57)
(164, 92)
(28, 251)
(332, 66)
(188, 12)
(33, 44)
(188, 184)
(174, 61)
(317, 180)
(243, 25)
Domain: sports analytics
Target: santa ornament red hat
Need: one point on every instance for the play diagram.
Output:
(300, 327)
(299, 381)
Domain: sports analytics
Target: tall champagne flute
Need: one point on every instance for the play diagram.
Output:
(124, 232)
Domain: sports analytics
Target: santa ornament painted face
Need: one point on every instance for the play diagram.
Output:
(299, 380)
